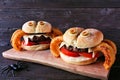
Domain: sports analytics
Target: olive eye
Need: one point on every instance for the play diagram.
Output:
(30, 24)
(42, 23)
(72, 31)
(85, 33)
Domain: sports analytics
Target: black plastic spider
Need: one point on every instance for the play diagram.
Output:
(19, 66)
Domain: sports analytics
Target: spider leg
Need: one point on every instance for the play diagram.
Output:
(19, 63)
(8, 71)
(6, 75)
(4, 69)
(13, 74)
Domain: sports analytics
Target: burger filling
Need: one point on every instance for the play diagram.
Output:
(30, 40)
(72, 51)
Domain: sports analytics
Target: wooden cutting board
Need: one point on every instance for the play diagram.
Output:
(95, 70)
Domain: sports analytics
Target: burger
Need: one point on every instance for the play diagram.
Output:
(76, 45)
(36, 38)
(38, 35)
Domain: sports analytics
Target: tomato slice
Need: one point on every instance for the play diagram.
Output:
(69, 53)
(34, 43)
(86, 54)
(76, 54)
(29, 43)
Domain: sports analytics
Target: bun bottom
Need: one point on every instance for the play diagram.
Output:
(36, 47)
(77, 60)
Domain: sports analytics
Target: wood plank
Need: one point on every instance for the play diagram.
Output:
(95, 70)
(58, 3)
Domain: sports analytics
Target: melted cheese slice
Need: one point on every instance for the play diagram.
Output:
(25, 37)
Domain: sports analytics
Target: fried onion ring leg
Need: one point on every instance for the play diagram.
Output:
(16, 39)
(56, 32)
(13, 35)
(54, 45)
(112, 44)
(108, 52)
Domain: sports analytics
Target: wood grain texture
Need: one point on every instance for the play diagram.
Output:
(95, 70)
(104, 19)
(100, 14)
(58, 3)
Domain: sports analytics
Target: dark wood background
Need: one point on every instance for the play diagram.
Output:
(100, 14)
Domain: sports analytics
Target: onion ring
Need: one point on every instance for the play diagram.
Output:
(16, 39)
(54, 45)
(108, 52)
(56, 32)
(112, 45)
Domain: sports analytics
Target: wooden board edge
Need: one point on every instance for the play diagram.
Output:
(55, 66)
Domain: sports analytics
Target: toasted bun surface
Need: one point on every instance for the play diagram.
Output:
(36, 47)
(71, 34)
(29, 27)
(40, 27)
(89, 38)
(83, 38)
(43, 27)
(77, 60)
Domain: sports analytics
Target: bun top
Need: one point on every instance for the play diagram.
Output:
(89, 38)
(40, 27)
(71, 34)
(83, 38)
